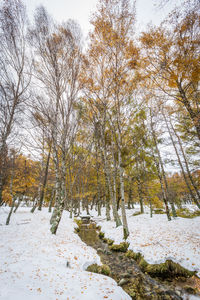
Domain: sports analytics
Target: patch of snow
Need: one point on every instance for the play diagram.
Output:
(159, 239)
(33, 261)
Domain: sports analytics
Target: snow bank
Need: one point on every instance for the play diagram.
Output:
(158, 239)
(33, 261)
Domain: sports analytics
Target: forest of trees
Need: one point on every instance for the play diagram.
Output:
(100, 125)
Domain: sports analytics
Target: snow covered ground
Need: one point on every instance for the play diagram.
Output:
(33, 261)
(158, 239)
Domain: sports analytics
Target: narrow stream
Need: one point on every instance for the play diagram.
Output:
(126, 272)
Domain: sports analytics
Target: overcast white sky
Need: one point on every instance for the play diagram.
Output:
(81, 10)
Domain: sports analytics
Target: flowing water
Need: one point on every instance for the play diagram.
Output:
(126, 271)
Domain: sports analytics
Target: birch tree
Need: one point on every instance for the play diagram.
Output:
(15, 73)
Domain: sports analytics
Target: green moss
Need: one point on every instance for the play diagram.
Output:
(101, 235)
(143, 264)
(169, 269)
(122, 247)
(133, 255)
(104, 269)
(93, 268)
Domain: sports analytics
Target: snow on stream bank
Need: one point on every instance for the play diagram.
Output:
(158, 239)
(33, 261)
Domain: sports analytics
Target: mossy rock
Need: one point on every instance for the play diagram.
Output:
(169, 269)
(133, 255)
(143, 264)
(101, 235)
(104, 269)
(93, 268)
(122, 247)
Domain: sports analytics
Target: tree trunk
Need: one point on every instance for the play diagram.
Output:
(140, 195)
(51, 200)
(34, 206)
(57, 187)
(186, 162)
(109, 191)
(11, 210)
(18, 203)
(44, 181)
(124, 219)
(181, 165)
(160, 175)
(195, 116)
(114, 199)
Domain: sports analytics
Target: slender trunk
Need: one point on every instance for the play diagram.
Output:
(11, 210)
(195, 116)
(185, 161)
(124, 219)
(99, 208)
(1, 189)
(98, 184)
(18, 203)
(140, 195)
(44, 181)
(57, 185)
(86, 205)
(181, 165)
(114, 199)
(160, 175)
(130, 195)
(71, 201)
(56, 221)
(34, 206)
(166, 186)
(51, 200)
(108, 186)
